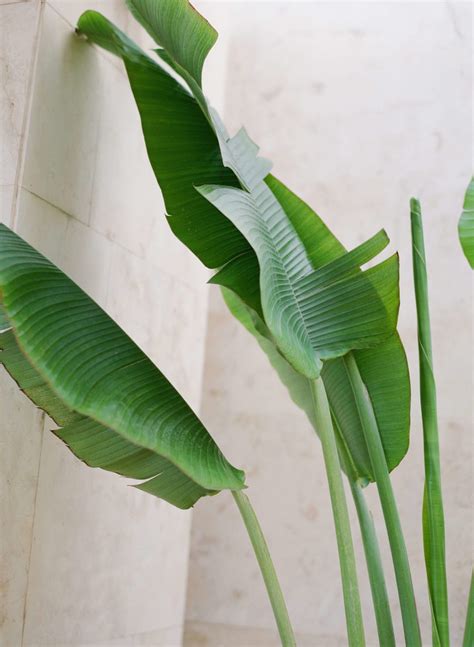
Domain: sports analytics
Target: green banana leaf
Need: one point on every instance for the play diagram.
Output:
(188, 147)
(113, 407)
(384, 368)
(466, 224)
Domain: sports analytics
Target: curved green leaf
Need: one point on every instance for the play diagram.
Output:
(389, 390)
(313, 315)
(182, 147)
(176, 130)
(116, 410)
(177, 27)
(466, 224)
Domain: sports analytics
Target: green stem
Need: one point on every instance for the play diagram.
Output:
(468, 640)
(268, 570)
(433, 514)
(378, 587)
(389, 507)
(350, 587)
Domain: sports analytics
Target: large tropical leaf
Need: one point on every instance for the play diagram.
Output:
(314, 315)
(180, 136)
(466, 224)
(114, 408)
(182, 146)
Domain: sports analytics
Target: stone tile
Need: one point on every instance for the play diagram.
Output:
(62, 142)
(21, 427)
(18, 28)
(126, 200)
(85, 257)
(166, 317)
(170, 637)
(127, 204)
(82, 253)
(41, 225)
(117, 12)
(107, 560)
(7, 193)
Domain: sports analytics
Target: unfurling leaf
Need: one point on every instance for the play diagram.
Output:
(466, 224)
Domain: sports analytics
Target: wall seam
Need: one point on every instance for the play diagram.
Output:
(25, 607)
(26, 118)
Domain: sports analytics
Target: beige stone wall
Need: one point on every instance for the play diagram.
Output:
(84, 559)
(360, 106)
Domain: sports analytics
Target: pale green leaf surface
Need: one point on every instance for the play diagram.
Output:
(313, 315)
(96, 371)
(466, 225)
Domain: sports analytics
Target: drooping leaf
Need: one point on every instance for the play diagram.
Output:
(182, 147)
(466, 224)
(115, 409)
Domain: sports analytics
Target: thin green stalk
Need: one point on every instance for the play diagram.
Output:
(378, 587)
(268, 570)
(350, 587)
(389, 507)
(468, 640)
(433, 514)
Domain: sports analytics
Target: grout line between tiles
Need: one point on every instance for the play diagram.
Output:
(42, 423)
(26, 117)
(116, 244)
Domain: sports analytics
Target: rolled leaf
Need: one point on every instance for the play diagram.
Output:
(433, 513)
(115, 409)
(466, 224)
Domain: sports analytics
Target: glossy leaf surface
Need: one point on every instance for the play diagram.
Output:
(116, 410)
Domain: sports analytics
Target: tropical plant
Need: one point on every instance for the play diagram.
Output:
(288, 275)
(114, 409)
(327, 326)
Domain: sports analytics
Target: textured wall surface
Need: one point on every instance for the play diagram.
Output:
(360, 106)
(84, 559)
